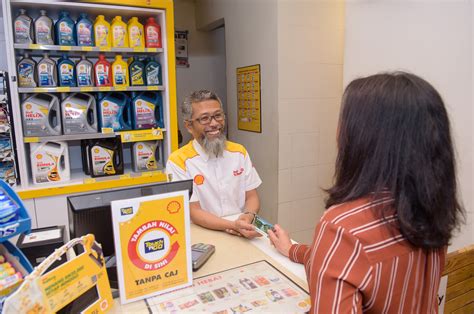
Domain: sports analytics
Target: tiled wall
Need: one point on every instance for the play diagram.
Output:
(310, 57)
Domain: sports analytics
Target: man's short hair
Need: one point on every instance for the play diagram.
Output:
(197, 96)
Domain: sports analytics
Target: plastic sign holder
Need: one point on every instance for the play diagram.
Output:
(81, 284)
(152, 245)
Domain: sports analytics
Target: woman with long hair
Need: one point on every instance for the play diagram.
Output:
(380, 247)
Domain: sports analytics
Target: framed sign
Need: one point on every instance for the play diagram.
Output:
(249, 113)
(152, 245)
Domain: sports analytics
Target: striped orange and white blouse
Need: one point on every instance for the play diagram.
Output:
(358, 262)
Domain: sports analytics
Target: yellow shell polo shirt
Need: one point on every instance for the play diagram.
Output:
(219, 183)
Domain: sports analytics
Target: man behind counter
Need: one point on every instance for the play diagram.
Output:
(225, 181)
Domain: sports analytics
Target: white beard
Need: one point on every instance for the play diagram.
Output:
(214, 147)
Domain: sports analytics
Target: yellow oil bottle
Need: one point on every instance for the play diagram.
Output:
(120, 72)
(119, 33)
(102, 32)
(136, 33)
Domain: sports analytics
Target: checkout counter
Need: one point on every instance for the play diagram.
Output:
(231, 251)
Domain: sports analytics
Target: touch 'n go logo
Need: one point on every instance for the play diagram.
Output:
(126, 211)
(154, 245)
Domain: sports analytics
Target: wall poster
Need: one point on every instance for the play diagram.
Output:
(249, 99)
(181, 44)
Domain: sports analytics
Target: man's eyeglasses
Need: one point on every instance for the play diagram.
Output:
(219, 117)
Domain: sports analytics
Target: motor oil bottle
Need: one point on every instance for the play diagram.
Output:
(103, 72)
(84, 72)
(66, 72)
(26, 72)
(50, 162)
(135, 33)
(136, 69)
(41, 115)
(147, 111)
(152, 33)
(119, 33)
(23, 28)
(119, 72)
(79, 114)
(84, 31)
(145, 156)
(114, 112)
(47, 72)
(65, 35)
(102, 32)
(105, 157)
(152, 72)
(44, 29)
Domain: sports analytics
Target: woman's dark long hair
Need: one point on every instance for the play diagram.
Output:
(394, 136)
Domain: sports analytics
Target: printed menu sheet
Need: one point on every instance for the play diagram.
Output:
(254, 287)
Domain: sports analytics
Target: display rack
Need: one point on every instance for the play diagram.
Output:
(162, 11)
(8, 165)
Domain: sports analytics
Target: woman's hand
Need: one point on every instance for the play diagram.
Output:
(280, 239)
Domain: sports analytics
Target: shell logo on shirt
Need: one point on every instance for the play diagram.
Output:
(199, 179)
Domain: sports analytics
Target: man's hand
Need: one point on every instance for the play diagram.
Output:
(243, 227)
(280, 240)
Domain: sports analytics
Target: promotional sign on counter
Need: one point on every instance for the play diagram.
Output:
(152, 245)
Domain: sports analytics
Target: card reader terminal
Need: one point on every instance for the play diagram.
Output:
(201, 253)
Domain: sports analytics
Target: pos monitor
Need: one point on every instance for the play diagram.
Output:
(91, 213)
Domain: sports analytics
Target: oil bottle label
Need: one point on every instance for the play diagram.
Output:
(45, 74)
(66, 72)
(102, 75)
(35, 119)
(153, 75)
(84, 75)
(102, 161)
(26, 75)
(119, 75)
(144, 114)
(119, 36)
(84, 34)
(75, 120)
(137, 75)
(110, 115)
(43, 33)
(145, 157)
(101, 33)
(22, 31)
(153, 36)
(46, 166)
(65, 34)
(135, 37)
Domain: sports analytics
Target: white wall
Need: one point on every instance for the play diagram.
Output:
(250, 32)
(310, 56)
(432, 39)
(206, 52)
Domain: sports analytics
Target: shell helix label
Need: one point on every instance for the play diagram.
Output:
(35, 119)
(144, 114)
(102, 161)
(65, 32)
(145, 157)
(75, 119)
(84, 74)
(110, 115)
(46, 168)
(43, 32)
(153, 36)
(153, 75)
(118, 33)
(102, 74)
(119, 74)
(45, 74)
(66, 72)
(135, 37)
(137, 75)
(22, 31)
(84, 34)
(102, 33)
